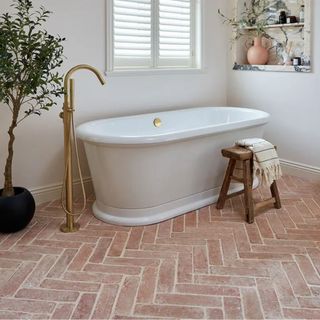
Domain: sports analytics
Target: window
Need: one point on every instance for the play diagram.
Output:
(153, 34)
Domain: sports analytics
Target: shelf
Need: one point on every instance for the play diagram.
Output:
(249, 67)
(278, 38)
(270, 26)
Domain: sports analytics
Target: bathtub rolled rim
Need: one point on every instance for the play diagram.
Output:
(86, 132)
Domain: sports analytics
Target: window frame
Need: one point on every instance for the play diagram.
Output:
(196, 38)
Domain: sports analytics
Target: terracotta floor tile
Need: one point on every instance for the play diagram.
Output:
(208, 264)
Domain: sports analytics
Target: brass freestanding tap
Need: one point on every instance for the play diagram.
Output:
(69, 138)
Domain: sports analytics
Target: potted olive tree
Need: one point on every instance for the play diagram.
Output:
(29, 83)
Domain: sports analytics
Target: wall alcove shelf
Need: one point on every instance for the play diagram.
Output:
(285, 25)
(295, 37)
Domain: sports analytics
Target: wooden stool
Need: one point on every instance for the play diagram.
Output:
(246, 157)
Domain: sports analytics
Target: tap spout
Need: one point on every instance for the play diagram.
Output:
(68, 81)
(83, 67)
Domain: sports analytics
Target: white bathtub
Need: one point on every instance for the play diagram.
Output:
(143, 174)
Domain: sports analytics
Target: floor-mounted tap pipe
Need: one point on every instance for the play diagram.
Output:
(67, 200)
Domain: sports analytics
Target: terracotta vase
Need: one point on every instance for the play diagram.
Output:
(258, 54)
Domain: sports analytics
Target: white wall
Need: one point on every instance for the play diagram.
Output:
(293, 100)
(39, 147)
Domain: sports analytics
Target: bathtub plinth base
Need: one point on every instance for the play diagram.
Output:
(147, 216)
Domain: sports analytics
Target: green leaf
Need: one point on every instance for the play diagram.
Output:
(29, 56)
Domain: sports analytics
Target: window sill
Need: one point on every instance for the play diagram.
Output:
(151, 72)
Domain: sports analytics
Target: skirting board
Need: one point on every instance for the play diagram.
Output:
(53, 192)
(300, 170)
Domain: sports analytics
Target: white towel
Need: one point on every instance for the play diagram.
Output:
(266, 164)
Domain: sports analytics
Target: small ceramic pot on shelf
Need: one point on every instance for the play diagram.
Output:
(258, 54)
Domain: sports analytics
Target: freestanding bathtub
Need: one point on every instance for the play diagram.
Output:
(144, 174)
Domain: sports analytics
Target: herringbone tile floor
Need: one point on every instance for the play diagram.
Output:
(207, 264)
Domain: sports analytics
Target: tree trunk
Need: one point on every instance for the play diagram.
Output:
(8, 190)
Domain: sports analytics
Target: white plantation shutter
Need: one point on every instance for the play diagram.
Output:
(152, 34)
(175, 33)
(132, 33)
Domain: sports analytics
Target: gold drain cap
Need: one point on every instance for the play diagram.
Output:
(157, 122)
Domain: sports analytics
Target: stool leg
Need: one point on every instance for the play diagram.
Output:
(275, 194)
(247, 178)
(226, 184)
(251, 170)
